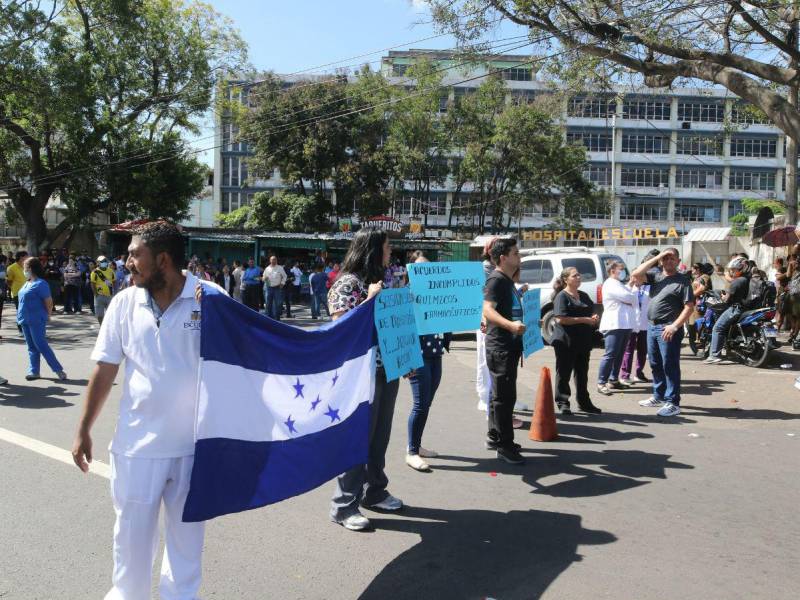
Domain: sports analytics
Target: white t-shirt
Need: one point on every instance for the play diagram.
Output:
(162, 357)
(298, 274)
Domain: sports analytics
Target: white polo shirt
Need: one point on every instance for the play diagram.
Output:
(162, 357)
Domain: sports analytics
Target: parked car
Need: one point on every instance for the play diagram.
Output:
(540, 266)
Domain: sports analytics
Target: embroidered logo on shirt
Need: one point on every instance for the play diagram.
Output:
(194, 322)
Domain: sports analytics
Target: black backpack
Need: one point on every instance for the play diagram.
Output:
(760, 294)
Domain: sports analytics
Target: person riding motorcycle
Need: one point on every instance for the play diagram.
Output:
(737, 271)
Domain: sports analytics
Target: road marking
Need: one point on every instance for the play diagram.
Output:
(96, 467)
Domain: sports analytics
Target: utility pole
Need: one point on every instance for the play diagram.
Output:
(791, 141)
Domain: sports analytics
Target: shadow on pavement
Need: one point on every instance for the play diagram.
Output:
(735, 412)
(34, 397)
(474, 554)
(582, 473)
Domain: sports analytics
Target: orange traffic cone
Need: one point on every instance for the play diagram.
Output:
(543, 424)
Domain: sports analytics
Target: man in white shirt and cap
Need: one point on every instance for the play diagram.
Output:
(154, 326)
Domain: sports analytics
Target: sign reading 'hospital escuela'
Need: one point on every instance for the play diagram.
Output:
(607, 233)
(448, 296)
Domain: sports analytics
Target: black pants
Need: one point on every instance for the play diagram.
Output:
(252, 296)
(571, 361)
(502, 365)
(288, 298)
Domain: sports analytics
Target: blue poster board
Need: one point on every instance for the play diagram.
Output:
(448, 296)
(531, 314)
(398, 339)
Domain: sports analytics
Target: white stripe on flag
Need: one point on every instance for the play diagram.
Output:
(241, 404)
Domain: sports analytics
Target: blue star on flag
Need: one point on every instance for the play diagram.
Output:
(333, 414)
(298, 389)
(290, 425)
(314, 403)
(335, 378)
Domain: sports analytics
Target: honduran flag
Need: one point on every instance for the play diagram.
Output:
(280, 410)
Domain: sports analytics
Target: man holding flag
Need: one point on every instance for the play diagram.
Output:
(155, 328)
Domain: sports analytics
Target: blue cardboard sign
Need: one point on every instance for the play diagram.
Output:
(531, 314)
(398, 339)
(448, 296)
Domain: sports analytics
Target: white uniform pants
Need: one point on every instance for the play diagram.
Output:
(138, 487)
(483, 381)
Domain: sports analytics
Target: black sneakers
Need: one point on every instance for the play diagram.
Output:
(510, 455)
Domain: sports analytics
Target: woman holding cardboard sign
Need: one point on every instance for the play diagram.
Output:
(424, 383)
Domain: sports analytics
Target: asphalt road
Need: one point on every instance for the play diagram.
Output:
(623, 505)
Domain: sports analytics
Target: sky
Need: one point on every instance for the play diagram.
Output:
(307, 35)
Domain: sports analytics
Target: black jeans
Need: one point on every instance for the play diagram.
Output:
(571, 361)
(503, 366)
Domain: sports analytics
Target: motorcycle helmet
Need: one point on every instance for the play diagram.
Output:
(739, 265)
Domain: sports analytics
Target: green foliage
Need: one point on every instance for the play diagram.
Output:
(750, 207)
(236, 219)
(103, 87)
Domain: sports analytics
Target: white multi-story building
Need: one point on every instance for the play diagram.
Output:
(680, 158)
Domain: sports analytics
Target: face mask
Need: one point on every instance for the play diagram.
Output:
(622, 274)
(27, 274)
(103, 265)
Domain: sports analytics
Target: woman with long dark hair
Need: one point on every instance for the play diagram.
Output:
(361, 278)
(35, 308)
(572, 339)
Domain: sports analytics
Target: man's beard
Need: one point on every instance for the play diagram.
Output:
(154, 283)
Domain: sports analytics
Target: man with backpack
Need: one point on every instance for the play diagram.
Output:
(735, 298)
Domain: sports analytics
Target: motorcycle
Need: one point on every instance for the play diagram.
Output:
(750, 338)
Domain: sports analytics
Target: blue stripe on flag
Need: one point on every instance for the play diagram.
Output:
(237, 335)
(233, 475)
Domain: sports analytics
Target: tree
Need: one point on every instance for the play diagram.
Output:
(417, 140)
(284, 211)
(107, 86)
(750, 207)
(750, 47)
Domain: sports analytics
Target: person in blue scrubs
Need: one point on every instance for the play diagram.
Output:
(35, 308)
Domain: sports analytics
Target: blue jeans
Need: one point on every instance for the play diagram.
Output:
(274, 297)
(319, 301)
(36, 339)
(720, 331)
(615, 341)
(424, 384)
(665, 362)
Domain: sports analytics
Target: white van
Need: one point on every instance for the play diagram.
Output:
(540, 266)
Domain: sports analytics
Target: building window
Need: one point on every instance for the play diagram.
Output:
(701, 112)
(643, 210)
(517, 74)
(752, 180)
(693, 211)
(755, 147)
(243, 172)
(436, 204)
(462, 92)
(598, 174)
(399, 70)
(696, 145)
(598, 210)
(225, 202)
(234, 170)
(591, 107)
(645, 143)
(646, 109)
(699, 179)
(734, 207)
(594, 142)
(404, 206)
(444, 100)
(747, 114)
(520, 97)
(645, 177)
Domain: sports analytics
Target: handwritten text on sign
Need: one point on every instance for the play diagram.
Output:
(531, 313)
(448, 296)
(398, 339)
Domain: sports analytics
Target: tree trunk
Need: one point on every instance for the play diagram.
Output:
(791, 152)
